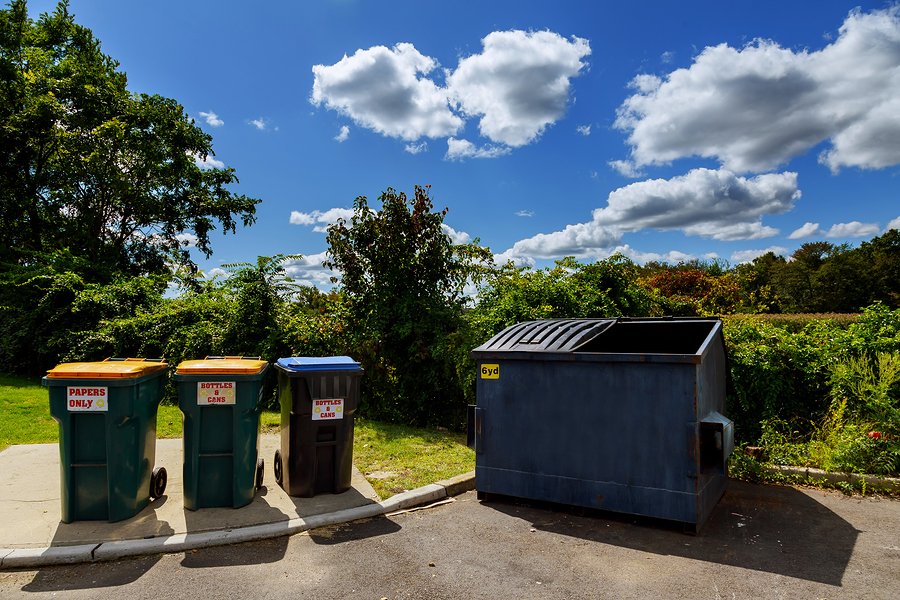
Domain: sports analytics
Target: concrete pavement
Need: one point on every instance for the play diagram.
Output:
(33, 535)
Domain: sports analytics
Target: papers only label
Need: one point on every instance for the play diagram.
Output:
(87, 399)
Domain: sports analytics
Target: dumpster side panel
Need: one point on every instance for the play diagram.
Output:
(615, 431)
(711, 379)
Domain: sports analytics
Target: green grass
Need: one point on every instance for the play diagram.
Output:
(402, 458)
(25, 412)
(408, 457)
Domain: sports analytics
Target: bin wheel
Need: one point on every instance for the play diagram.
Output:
(279, 474)
(260, 470)
(158, 480)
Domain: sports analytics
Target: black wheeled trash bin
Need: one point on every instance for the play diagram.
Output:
(318, 398)
(107, 436)
(220, 398)
(626, 415)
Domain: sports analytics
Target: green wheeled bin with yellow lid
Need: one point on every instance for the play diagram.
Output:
(220, 398)
(107, 436)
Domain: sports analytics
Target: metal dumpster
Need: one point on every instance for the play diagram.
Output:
(625, 415)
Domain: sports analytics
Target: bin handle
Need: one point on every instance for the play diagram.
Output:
(116, 359)
(233, 358)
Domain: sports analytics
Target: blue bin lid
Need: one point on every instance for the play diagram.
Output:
(318, 363)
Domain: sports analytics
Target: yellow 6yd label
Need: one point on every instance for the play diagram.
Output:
(490, 371)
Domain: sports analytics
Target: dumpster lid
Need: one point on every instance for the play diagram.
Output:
(550, 335)
(111, 368)
(319, 363)
(222, 365)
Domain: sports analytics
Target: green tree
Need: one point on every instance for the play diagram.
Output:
(91, 168)
(692, 291)
(606, 288)
(402, 282)
(755, 280)
(881, 255)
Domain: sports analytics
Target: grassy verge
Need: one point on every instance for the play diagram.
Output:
(25, 412)
(394, 458)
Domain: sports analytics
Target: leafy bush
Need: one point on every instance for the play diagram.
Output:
(777, 374)
(402, 284)
(606, 288)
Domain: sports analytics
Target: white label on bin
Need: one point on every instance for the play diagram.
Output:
(215, 392)
(86, 399)
(328, 408)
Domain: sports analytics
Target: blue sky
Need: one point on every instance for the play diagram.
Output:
(666, 131)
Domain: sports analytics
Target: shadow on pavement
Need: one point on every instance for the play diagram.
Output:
(774, 529)
(338, 534)
(254, 553)
(259, 511)
(145, 524)
(90, 576)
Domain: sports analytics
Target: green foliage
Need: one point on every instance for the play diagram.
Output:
(402, 285)
(44, 312)
(247, 314)
(695, 291)
(90, 168)
(606, 288)
(778, 374)
(824, 396)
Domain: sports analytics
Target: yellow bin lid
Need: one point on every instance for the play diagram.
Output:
(126, 368)
(221, 365)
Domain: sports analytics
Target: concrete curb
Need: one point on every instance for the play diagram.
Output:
(23, 558)
(873, 483)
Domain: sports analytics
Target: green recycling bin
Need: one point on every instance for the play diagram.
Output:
(220, 398)
(107, 436)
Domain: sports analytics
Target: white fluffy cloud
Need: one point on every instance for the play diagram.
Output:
(516, 87)
(519, 84)
(853, 229)
(212, 119)
(519, 261)
(417, 148)
(207, 163)
(745, 256)
(324, 219)
(462, 149)
(895, 224)
(716, 204)
(188, 240)
(216, 272)
(626, 168)
(672, 257)
(758, 107)
(579, 240)
(259, 123)
(380, 89)
(343, 135)
(457, 237)
(310, 271)
(808, 230)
